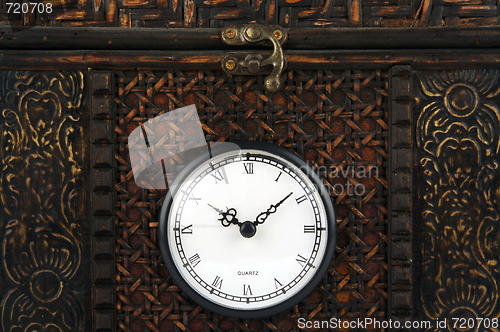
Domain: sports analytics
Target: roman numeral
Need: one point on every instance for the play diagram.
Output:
(301, 260)
(248, 168)
(247, 290)
(194, 260)
(219, 175)
(192, 197)
(301, 199)
(187, 229)
(308, 228)
(278, 177)
(276, 283)
(217, 282)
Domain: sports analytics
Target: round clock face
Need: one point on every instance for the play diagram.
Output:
(248, 232)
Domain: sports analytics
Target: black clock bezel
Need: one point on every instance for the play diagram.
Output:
(322, 267)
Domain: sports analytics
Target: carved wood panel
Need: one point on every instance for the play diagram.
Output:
(45, 254)
(79, 247)
(336, 121)
(458, 140)
(401, 195)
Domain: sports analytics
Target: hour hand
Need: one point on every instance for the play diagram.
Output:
(263, 216)
(228, 217)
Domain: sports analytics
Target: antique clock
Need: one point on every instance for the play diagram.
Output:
(247, 230)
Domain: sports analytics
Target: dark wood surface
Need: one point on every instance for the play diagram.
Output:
(102, 207)
(456, 130)
(367, 95)
(88, 38)
(287, 13)
(210, 60)
(401, 195)
(44, 191)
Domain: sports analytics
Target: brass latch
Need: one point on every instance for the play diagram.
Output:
(252, 63)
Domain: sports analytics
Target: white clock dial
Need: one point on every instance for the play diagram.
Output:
(247, 230)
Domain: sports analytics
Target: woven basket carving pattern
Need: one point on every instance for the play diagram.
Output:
(336, 121)
(287, 13)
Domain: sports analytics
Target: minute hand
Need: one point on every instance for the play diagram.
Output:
(263, 216)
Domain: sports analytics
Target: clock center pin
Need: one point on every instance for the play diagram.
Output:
(248, 229)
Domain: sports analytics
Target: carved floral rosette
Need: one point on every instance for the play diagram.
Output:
(458, 140)
(41, 195)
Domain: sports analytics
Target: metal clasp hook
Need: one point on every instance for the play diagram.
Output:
(251, 63)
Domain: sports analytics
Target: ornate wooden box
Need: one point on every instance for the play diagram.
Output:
(406, 91)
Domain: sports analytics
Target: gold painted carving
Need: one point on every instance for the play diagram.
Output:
(458, 138)
(41, 193)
